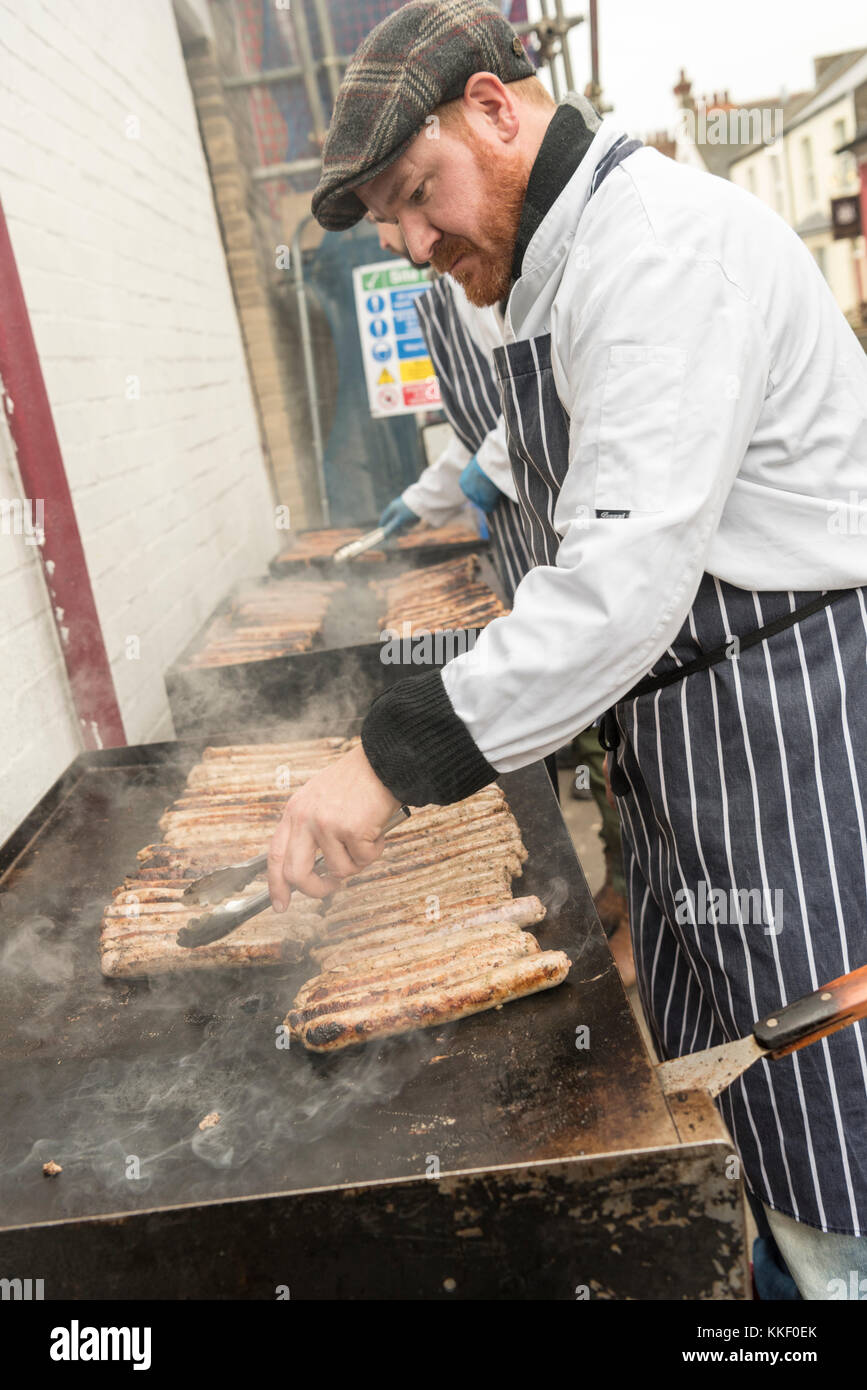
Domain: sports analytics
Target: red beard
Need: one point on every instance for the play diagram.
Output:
(486, 275)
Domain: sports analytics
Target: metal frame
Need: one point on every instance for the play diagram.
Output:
(24, 397)
(552, 31)
(309, 365)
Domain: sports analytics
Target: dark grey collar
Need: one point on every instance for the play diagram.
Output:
(566, 142)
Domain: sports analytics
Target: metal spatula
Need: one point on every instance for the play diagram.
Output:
(798, 1024)
(215, 886)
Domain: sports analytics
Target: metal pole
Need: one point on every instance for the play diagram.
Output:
(55, 534)
(563, 26)
(329, 52)
(267, 76)
(310, 165)
(310, 67)
(552, 67)
(310, 368)
(264, 78)
(594, 48)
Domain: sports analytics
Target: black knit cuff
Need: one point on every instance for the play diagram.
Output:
(418, 747)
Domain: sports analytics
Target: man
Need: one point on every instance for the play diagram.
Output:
(462, 339)
(685, 406)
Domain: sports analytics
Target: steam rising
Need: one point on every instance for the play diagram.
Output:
(32, 949)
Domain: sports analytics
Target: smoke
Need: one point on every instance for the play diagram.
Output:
(33, 949)
(554, 894)
(124, 1125)
(319, 691)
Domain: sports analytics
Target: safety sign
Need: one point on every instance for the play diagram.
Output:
(388, 325)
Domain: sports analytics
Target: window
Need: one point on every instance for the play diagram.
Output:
(809, 170)
(777, 181)
(845, 163)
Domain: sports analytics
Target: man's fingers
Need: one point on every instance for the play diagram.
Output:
(364, 851)
(298, 860)
(279, 889)
(339, 861)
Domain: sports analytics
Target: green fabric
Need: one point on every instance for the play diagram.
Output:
(588, 753)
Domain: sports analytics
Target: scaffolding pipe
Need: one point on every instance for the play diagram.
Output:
(556, 26)
(310, 368)
(563, 25)
(555, 76)
(310, 74)
(329, 53)
(264, 78)
(310, 165)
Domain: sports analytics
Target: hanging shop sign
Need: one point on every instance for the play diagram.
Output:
(846, 216)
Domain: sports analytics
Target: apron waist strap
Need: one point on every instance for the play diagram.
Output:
(609, 733)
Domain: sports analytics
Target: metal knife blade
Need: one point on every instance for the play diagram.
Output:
(711, 1070)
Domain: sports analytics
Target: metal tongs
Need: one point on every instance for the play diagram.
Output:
(369, 541)
(221, 883)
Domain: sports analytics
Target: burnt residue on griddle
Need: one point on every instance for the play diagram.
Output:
(111, 1078)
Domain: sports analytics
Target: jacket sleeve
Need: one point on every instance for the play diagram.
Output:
(663, 377)
(436, 495)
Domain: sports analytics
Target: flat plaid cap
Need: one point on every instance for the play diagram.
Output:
(415, 60)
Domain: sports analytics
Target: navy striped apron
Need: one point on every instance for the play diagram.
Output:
(744, 838)
(472, 404)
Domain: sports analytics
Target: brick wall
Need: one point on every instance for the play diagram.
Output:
(251, 236)
(39, 728)
(112, 219)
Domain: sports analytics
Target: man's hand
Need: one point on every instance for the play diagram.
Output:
(341, 811)
(477, 486)
(397, 517)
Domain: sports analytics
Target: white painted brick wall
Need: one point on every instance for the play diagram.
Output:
(38, 728)
(119, 253)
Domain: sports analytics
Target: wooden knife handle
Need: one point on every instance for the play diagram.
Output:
(804, 1021)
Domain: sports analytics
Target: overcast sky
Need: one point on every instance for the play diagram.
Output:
(751, 47)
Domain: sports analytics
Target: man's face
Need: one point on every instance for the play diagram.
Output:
(457, 200)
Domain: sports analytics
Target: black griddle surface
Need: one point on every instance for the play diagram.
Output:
(111, 1078)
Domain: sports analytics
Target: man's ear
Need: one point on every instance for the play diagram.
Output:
(492, 104)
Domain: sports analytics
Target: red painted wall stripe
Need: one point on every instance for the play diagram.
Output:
(28, 412)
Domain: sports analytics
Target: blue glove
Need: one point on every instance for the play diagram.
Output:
(397, 517)
(478, 487)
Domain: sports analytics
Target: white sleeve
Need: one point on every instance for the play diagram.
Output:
(436, 496)
(666, 373)
(493, 459)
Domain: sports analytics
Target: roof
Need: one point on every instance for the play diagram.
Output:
(841, 76)
(717, 159)
(791, 106)
(815, 223)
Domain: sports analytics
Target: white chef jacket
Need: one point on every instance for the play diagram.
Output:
(436, 495)
(715, 392)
